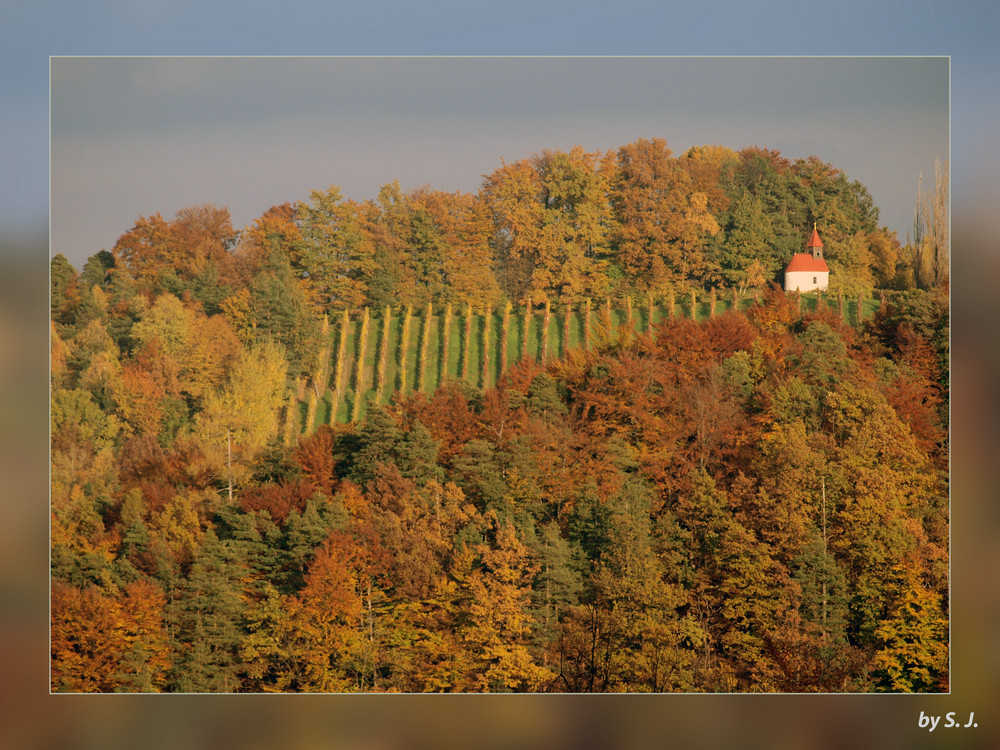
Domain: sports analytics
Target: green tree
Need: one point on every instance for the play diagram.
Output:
(748, 240)
(387, 225)
(281, 312)
(558, 584)
(381, 441)
(883, 485)
(265, 651)
(62, 276)
(207, 611)
(644, 640)
(97, 269)
(738, 591)
(769, 177)
(335, 257)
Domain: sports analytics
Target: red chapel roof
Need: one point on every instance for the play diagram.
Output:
(806, 262)
(814, 241)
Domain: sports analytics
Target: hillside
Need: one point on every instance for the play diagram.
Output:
(564, 435)
(330, 394)
(755, 502)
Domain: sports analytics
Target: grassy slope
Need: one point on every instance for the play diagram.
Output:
(515, 333)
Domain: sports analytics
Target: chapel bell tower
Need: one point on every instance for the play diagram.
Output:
(815, 244)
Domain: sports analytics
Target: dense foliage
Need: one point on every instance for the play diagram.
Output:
(758, 502)
(562, 226)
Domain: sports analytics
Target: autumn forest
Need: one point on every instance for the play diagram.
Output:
(576, 439)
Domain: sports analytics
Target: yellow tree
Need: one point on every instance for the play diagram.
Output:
(139, 398)
(240, 418)
(238, 311)
(167, 324)
(325, 618)
(450, 247)
(178, 525)
(851, 266)
(201, 235)
(512, 194)
(709, 168)
(213, 351)
(145, 250)
(59, 353)
(500, 623)
(572, 258)
(661, 221)
(83, 437)
(912, 641)
(885, 252)
(697, 226)
(94, 357)
(550, 217)
(935, 212)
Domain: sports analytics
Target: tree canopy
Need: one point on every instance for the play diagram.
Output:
(756, 502)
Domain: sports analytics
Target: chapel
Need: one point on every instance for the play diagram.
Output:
(808, 271)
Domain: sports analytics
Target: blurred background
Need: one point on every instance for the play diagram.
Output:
(31, 718)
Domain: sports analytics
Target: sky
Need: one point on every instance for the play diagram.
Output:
(34, 31)
(133, 136)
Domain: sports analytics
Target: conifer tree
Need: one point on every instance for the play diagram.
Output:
(404, 345)
(425, 334)
(359, 367)
(443, 374)
(207, 612)
(383, 356)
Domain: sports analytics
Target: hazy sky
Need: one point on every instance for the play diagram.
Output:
(32, 32)
(134, 136)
